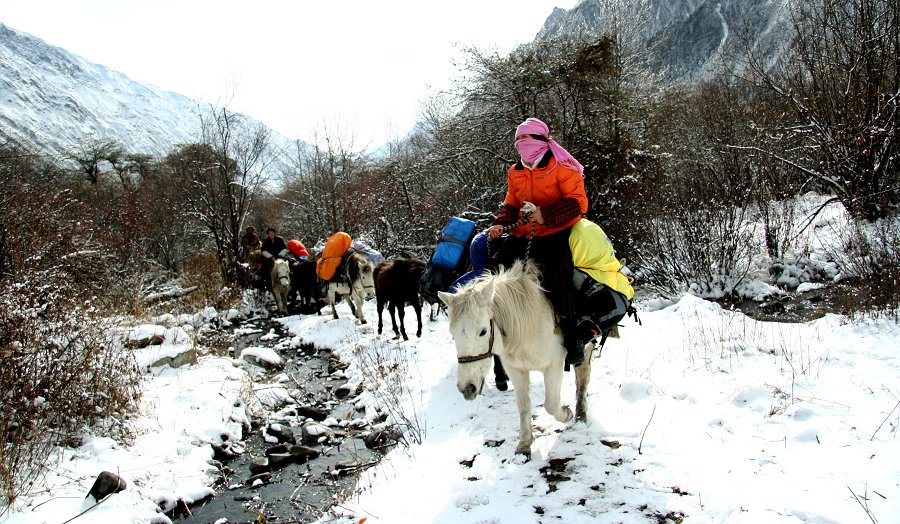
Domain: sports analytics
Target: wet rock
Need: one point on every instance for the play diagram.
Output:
(256, 480)
(280, 460)
(106, 484)
(347, 390)
(314, 432)
(383, 437)
(303, 453)
(282, 432)
(313, 413)
(259, 465)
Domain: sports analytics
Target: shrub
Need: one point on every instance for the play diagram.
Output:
(62, 370)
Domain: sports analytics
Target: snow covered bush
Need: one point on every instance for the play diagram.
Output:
(62, 370)
(61, 367)
(870, 256)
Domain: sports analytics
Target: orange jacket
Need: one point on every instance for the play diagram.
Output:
(543, 186)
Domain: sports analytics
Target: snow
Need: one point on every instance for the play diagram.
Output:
(698, 415)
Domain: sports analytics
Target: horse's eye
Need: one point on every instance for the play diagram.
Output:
(483, 333)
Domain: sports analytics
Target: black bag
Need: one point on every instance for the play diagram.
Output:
(597, 306)
(434, 279)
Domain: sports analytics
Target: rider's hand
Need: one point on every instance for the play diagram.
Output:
(495, 231)
(534, 211)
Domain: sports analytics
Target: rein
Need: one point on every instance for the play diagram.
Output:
(481, 356)
(526, 218)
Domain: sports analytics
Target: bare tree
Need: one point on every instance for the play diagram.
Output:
(317, 187)
(220, 177)
(89, 156)
(842, 86)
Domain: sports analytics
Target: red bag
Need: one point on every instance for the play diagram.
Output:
(297, 248)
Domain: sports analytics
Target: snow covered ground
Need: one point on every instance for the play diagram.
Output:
(699, 415)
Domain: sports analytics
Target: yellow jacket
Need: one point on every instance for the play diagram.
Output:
(593, 253)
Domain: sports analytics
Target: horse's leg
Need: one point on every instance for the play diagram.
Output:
(358, 296)
(401, 314)
(582, 380)
(392, 308)
(522, 384)
(379, 305)
(332, 297)
(552, 386)
(417, 306)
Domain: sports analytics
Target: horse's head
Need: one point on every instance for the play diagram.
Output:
(281, 273)
(365, 272)
(474, 333)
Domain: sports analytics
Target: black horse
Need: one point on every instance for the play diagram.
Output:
(397, 284)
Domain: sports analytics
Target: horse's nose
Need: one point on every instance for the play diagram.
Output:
(469, 391)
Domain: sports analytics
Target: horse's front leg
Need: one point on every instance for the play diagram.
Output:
(522, 384)
(582, 380)
(331, 297)
(552, 387)
(358, 296)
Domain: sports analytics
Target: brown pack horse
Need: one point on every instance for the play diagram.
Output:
(397, 284)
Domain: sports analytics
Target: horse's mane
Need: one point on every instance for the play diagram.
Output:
(517, 301)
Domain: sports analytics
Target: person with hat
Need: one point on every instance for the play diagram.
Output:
(545, 197)
(250, 244)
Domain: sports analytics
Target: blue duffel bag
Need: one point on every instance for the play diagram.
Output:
(454, 242)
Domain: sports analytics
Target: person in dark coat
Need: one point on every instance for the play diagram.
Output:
(273, 246)
(250, 243)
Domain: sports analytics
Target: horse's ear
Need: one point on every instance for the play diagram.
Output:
(487, 294)
(446, 298)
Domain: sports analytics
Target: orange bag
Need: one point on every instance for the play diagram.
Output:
(335, 247)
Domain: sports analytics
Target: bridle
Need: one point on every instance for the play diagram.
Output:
(481, 356)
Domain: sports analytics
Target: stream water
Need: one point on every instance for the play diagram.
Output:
(303, 479)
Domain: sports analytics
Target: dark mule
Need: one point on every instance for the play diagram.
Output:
(306, 286)
(397, 284)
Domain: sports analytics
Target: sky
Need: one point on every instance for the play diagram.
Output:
(296, 65)
(698, 415)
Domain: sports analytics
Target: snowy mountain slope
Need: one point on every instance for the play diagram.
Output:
(51, 99)
(691, 39)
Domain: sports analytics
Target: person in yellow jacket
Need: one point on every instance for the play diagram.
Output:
(603, 293)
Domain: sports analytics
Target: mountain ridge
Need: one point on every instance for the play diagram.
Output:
(52, 99)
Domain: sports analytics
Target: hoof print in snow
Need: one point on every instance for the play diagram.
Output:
(494, 443)
(467, 463)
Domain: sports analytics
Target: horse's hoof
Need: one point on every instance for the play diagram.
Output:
(566, 414)
(523, 452)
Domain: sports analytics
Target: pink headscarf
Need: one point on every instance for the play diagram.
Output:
(533, 126)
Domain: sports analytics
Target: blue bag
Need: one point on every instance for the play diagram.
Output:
(454, 242)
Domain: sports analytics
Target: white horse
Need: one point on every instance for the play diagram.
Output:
(281, 284)
(354, 279)
(507, 314)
